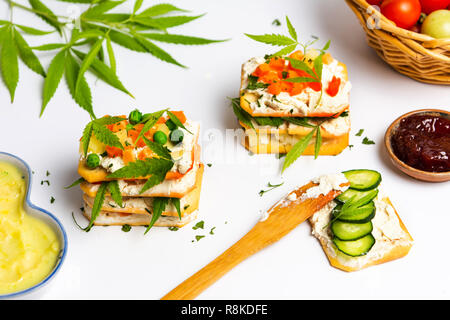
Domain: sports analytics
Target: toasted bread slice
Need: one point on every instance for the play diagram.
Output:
(247, 97)
(139, 205)
(389, 245)
(168, 188)
(283, 143)
(106, 218)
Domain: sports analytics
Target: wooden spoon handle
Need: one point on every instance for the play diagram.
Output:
(282, 219)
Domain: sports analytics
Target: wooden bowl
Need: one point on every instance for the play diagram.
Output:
(413, 172)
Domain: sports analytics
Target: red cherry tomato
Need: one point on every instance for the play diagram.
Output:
(428, 6)
(404, 13)
(374, 2)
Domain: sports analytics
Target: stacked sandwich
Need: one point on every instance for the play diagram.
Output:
(284, 99)
(143, 169)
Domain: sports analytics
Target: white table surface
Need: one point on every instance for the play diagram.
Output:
(108, 263)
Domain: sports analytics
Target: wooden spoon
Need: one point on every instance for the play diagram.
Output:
(283, 217)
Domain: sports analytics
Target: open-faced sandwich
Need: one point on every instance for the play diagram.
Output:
(360, 228)
(294, 100)
(143, 169)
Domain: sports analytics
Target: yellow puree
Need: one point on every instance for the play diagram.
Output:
(29, 248)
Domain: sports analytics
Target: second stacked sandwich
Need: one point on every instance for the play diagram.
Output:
(284, 99)
(141, 170)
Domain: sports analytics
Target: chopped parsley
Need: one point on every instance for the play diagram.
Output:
(209, 165)
(360, 132)
(174, 228)
(199, 237)
(45, 181)
(126, 228)
(271, 187)
(52, 200)
(47, 173)
(253, 83)
(276, 23)
(212, 230)
(199, 225)
(367, 141)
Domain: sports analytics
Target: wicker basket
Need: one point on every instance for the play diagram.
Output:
(416, 55)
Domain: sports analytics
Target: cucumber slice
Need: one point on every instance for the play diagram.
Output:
(355, 248)
(361, 214)
(363, 179)
(355, 195)
(350, 231)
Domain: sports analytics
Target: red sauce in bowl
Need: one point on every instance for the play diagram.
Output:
(423, 142)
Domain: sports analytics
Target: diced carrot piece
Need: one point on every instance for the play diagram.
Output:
(261, 70)
(119, 126)
(277, 63)
(297, 55)
(286, 86)
(180, 115)
(297, 88)
(327, 58)
(114, 152)
(134, 133)
(146, 153)
(161, 120)
(274, 88)
(128, 155)
(270, 77)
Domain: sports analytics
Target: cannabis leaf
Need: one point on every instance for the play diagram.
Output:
(97, 206)
(103, 134)
(159, 205)
(98, 30)
(9, 61)
(241, 114)
(289, 43)
(176, 203)
(297, 150)
(114, 190)
(54, 75)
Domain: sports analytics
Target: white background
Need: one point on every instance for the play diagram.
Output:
(108, 263)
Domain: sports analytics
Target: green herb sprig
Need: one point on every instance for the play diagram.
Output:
(97, 29)
(289, 44)
(271, 187)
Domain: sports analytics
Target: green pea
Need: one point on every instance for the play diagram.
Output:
(176, 136)
(93, 161)
(171, 125)
(135, 117)
(160, 137)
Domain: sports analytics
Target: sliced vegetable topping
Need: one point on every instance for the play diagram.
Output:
(363, 179)
(351, 224)
(355, 248)
(350, 231)
(356, 195)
